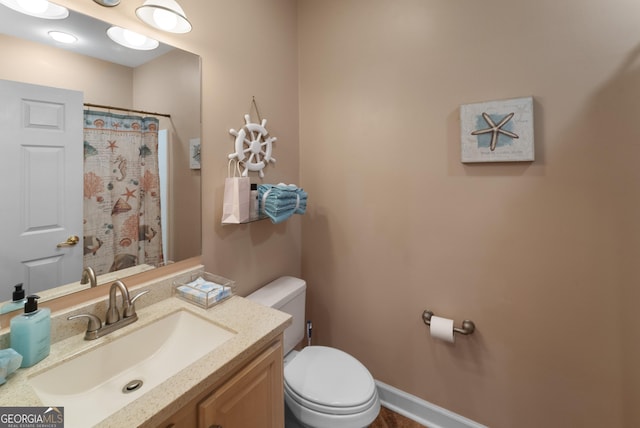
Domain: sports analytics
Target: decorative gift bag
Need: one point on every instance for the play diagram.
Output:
(235, 208)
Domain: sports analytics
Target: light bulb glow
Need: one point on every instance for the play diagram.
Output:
(61, 37)
(33, 6)
(165, 19)
(135, 39)
(165, 15)
(131, 39)
(38, 8)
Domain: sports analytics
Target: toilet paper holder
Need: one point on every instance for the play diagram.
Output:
(468, 326)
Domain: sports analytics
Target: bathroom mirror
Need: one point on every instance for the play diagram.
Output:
(164, 81)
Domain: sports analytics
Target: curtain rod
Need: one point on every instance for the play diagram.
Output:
(127, 109)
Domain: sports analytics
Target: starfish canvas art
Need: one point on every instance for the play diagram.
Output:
(497, 131)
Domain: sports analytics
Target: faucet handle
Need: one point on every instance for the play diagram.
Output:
(93, 325)
(131, 309)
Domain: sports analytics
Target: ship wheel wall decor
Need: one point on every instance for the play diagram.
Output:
(253, 146)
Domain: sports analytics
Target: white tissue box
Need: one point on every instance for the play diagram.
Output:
(205, 289)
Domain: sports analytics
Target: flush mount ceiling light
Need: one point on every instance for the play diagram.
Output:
(107, 3)
(131, 39)
(165, 15)
(37, 8)
(61, 37)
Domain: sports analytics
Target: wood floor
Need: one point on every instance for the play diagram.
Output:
(390, 419)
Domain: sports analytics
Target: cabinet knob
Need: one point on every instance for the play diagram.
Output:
(215, 426)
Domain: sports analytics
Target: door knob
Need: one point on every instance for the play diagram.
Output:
(70, 242)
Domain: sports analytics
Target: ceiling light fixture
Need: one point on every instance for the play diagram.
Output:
(38, 8)
(61, 37)
(165, 15)
(107, 3)
(131, 39)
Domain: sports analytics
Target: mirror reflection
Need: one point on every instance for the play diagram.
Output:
(104, 145)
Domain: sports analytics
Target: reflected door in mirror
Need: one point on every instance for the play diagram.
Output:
(41, 140)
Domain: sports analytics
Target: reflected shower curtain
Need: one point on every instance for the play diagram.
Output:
(121, 191)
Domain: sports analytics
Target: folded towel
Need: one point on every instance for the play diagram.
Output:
(10, 361)
(297, 207)
(203, 292)
(281, 201)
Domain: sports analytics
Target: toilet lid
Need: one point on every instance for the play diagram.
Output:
(329, 377)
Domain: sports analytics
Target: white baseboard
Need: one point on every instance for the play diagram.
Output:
(421, 411)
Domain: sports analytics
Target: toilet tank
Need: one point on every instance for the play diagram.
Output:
(286, 294)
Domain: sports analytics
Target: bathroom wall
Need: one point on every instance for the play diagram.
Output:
(540, 255)
(248, 48)
(144, 87)
(182, 100)
(30, 62)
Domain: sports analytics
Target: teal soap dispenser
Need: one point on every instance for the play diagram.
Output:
(17, 302)
(30, 333)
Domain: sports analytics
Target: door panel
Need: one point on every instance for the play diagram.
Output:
(42, 162)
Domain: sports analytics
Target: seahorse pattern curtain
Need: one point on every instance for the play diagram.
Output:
(121, 191)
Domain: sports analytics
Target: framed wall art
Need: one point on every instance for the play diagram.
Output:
(497, 131)
(194, 153)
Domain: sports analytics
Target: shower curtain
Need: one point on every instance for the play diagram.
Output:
(121, 192)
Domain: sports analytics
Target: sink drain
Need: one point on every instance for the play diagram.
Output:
(134, 385)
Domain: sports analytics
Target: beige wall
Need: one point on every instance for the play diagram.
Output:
(30, 62)
(248, 48)
(181, 99)
(540, 255)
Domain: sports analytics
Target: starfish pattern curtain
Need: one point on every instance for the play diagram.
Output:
(121, 192)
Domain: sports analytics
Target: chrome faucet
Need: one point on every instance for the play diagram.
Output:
(89, 276)
(113, 322)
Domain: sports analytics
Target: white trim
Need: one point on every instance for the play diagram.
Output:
(421, 411)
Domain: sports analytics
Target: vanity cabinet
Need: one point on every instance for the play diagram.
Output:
(184, 418)
(252, 397)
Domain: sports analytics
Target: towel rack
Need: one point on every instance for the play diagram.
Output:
(468, 326)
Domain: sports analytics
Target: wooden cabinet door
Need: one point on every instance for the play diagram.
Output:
(184, 418)
(254, 397)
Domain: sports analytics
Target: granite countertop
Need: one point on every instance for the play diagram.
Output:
(255, 326)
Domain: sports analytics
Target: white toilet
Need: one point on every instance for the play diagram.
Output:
(323, 387)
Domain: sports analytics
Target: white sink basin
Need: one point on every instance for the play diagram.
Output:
(90, 386)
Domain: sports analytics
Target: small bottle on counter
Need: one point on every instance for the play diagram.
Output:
(254, 207)
(17, 302)
(30, 333)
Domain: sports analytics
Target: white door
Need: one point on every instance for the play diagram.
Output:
(41, 162)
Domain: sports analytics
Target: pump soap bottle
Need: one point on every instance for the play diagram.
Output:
(30, 332)
(17, 302)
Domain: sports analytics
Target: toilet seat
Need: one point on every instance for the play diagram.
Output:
(329, 381)
(329, 410)
(310, 418)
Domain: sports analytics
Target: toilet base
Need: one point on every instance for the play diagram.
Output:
(290, 421)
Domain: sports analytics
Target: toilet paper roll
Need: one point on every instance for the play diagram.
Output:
(442, 328)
